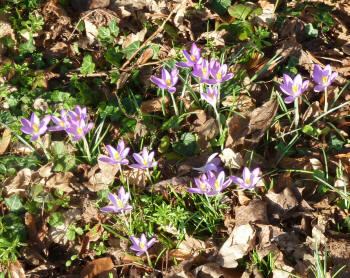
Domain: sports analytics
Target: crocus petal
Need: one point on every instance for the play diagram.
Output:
(327, 71)
(298, 80)
(246, 173)
(165, 75)
(140, 253)
(195, 190)
(317, 74)
(108, 160)
(143, 239)
(125, 152)
(120, 146)
(46, 120)
(287, 79)
(109, 209)
(289, 99)
(172, 90)
(121, 193)
(34, 138)
(113, 199)
(237, 180)
(304, 86)
(138, 158)
(27, 129)
(227, 77)
(138, 166)
(333, 77)
(319, 88)
(135, 240)
(159, 82)
(111, 151)
(34, 119)
(286, 89)
(151, 242)
(184, 65)
(25, 122)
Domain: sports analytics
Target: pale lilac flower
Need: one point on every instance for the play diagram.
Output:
(168, 80)
(250, 179)
(140, 244)
(293, 87)
(79, 129)
(145, 160)
(34, 127)
(218, 183)
(61, 123)
(119, 203)
(78, 114)
(194, 57)
(203, 186)
(324, 77)
(201, 71)
(211, 96)
(218, 73)
(116, 156)
(212, 164)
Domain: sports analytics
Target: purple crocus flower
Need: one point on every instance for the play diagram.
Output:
(78, 113)
(203, 187)
(250, 179)
(211, 96)
(78, 129)
(293, 87)
(61, 123)
(140, 244)
(194, 57)
(212, 164)
(145, 160)
(119, 203)
(201, 71)
(34, 126)
(168, 80)
(323, 77)
(218, 72)
(218, 183)
(116, 156)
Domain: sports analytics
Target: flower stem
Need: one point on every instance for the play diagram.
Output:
(174, 104)
(121, 174)
(40, 141)
(126, 222)
(296, 112)
(86, 148)
(218, 119)
(325, 100)
(163, 105)
(149, 259)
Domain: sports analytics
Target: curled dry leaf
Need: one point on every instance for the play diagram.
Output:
(254, 212)
(5, 141)
(19, 183)
(154, 105)
(231, 159)
(91, 31)
(46, 170)
(16, 270)
(97, 267)
(177, 183)
(281, 203)
(240, 242)
(249, 130)
(61, 181)
(190, 247)
(136, 176)
(212, 270)
(206, 132)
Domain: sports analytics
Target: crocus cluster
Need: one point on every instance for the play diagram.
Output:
(75, 123)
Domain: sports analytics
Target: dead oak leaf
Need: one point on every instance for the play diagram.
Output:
(97, 267)
(206, 132)
(5, 141)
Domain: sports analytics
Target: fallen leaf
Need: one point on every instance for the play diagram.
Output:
(19, 183)
(46, 170)
(136, 176)
(154, 105)
(177, 183)
(5, 141)
(281, 203)
(206, 132)
(212, 270)
(61, 181)
(190, 247)
(231, 159)
(97, 267)
(91, 31)
(254, 212)
(16, 270)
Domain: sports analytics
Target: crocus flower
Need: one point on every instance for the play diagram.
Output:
(203, 186)
(145, 160)
(119, 203)
(293, 87)
(212, 164)
(218, 183)
(324, 77)
(34, 126)
(211, 96)
(201, 70)
(218, 73)
(78, 129)
(194, 57)
(250, 179)
(78, 113)
(61, 123)
(140, 244)
(168, 80)
(116, 156)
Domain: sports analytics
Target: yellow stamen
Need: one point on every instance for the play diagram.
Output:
(35, 128)
(204, 71)
(202, 186)
(168, 82)
(142, 246)
(324, 79)
(145, 162)
(116, 156)
(218, 75)
(79, 130)
(193, 58)
(217, 185)
(247, 181)
(61, 123)
(120, 203)
(295, 88)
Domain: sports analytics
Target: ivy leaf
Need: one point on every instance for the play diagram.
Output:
(55, 219)
(220, 6)
(114, 28)
(14, 203)
(88, 65)
(187, 145)
(104, 35)
(335, 143)
(239, 11)
(26, 47)
(128, 51)
(114, 56)
(311, 31)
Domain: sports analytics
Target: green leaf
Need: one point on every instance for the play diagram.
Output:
(87, 66)
(64, 163)
(59, 149)
(335, 143)
(128, 51)
(105, 36)
(187, 145)
(156, 49)
(114, 28)
(172, 123)
(311, 31)
(55, 219)
(14, 203)
(26, 47)
(239, 11)
(309, 130)
(114, 56)
(220, 6)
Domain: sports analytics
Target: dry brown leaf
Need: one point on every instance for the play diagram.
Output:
(281, 203)
(240, 242)
(188, 248)
(136, 176)
(16, 270)
(101, 175)
(5, 141)
(212, 270)
(154, 105)
(91, 31)
(46, 170)
(231, 159)
(139, 36)
(61, 181)
(97, 267)
(206, 132)
(19, 183)
(95, 233)
(177, 183)
(145, 57)
(254, 212)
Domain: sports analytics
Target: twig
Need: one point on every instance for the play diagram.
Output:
(152, 37)
(76, 26)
